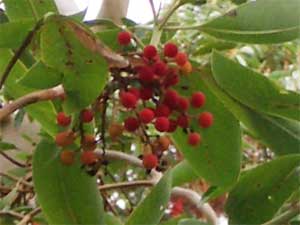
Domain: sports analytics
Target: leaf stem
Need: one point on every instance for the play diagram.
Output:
(174, 6)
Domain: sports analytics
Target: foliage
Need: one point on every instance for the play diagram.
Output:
(243, 58)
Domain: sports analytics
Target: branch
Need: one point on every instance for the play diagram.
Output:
(132, 184)
(28, 217)
(12, 160)
(43, 95)
(285, 217)
(193, 197)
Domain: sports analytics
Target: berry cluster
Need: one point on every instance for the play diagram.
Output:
(146, 93)
(67, 138)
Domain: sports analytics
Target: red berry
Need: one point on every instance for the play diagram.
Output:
(67, 157)
(206, 119)
(162, 110)
(183, 121)
(162, 124)
(128, 100)
(88, 157)
(146, 115)
(183, 104)
(64, 138)
(171, 98)
(150, 161)
(181, 58)
(171, 80)
(63, 120)
(170, 50)
(194, 139)
(146, 74)
(198, 99)
(146, 93)
(124, 38)
(131, 124)
(160, 68)
(135, 92)
(86, 116)
(172, 126)
(150, 51)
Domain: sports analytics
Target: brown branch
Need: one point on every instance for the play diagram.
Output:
(12, 160)
(11, 213)
(12, 177)
(43, 95)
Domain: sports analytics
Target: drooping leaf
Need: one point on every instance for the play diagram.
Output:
(252, 23)
(8, 31)
(182, 173)
(217, 159)
(67, 194)
(69, 48)
(261, 191)
(281, 135)
(253, 89)
(151, 209)
(40, 76)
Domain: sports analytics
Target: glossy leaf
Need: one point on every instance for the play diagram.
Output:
(252, 23)
(67, 194)
(41, 76)
(217, 159)
(183, 173)
(253, 89)
(281, 135)
(151, 209)
(69, 48)
(8, 31)
(28, 9)
(261, 191)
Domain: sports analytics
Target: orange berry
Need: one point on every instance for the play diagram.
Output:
(187, 68)
(115, 130)
(164, 142)
(67, 157)
(65, 138)
(88, 157)
(88, 143)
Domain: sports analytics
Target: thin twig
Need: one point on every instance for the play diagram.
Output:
(169, 13)
(285, 217)
(153, 11)
(12, 177)
(28, 217)
(11, 213)
(19, 51)
(132, 184)
(12, 160)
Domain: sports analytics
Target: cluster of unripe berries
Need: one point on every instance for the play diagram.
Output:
(65, 139)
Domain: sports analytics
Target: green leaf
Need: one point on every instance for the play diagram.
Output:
(261, 191)
(218, 157)
(43, 112)
(66, 194)
(151, 209)
(252, 23)
(183, 173)
(111, 219)
(191, 222)
(70, 48)
(28, 9)
(8, 31)
(4, 146)
(41, 76)
(281, 135)
(253, 89)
